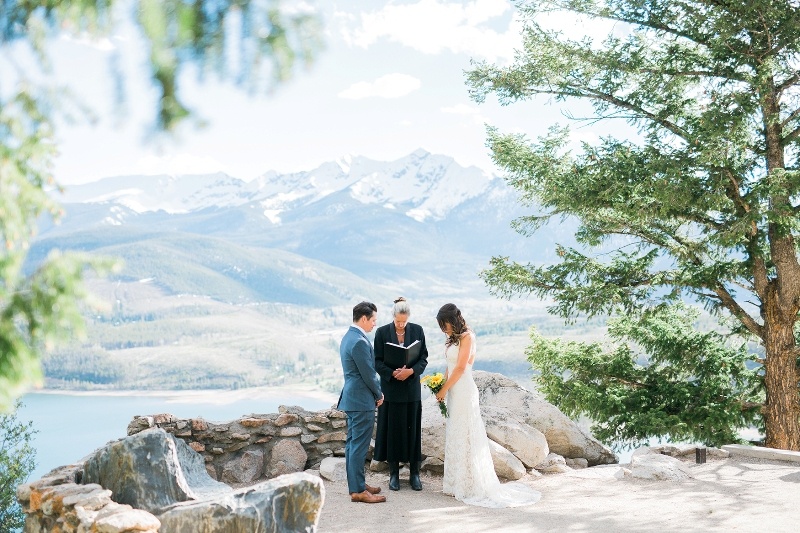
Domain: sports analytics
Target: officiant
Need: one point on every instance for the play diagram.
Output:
(399, 434)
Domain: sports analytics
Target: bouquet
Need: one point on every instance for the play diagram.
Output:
(434, 382)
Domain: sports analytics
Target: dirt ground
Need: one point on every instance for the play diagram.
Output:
(735, 494)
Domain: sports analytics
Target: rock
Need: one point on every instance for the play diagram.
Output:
(287, 503)
(127, 520)
(285, 418)
(433, 464)
(140, 423)
(246, 468)
(553, 464)
(659, 467)
(717, 453)
(526, 443)
(287, 457)
(600, 472)
(335, 436)
(93, 499)
(378, 466)
(564, 436)
(333, 469)
(684, 450)
(433, 429)
(150, 470)
(577, 462)
(250, 422)
(506, 465)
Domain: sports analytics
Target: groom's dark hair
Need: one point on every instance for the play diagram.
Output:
(364, 309)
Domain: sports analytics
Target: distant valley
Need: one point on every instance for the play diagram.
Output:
(231, 284)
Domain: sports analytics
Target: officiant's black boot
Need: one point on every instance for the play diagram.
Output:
(416, 483)
(394, 476)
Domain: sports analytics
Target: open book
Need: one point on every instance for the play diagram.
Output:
(395, 355)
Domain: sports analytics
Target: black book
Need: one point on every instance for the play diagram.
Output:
(395, 355)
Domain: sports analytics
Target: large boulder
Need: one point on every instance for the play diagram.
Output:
(526, 443)
(288, 503)
(151, 470)
(506, 465)
(564, 436)
(659, 467)
(433, 429)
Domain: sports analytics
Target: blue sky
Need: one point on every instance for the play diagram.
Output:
(390, 80)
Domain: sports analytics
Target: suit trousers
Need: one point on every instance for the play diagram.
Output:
(359, 432)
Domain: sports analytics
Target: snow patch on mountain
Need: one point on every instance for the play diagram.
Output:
(422, 185)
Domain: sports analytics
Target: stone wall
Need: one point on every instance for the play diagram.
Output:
(257, 447)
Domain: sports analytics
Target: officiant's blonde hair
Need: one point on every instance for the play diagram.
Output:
(401, 307)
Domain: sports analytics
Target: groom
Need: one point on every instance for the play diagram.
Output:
(360, 396)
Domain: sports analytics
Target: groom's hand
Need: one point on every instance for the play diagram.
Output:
(379, 401)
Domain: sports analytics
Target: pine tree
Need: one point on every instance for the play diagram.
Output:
(703, 204)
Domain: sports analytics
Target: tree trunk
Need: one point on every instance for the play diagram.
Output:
(782, 408)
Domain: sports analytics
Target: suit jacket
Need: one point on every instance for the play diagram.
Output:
(361, 386)
(395, 390)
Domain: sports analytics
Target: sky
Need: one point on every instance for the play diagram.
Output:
(390, 80)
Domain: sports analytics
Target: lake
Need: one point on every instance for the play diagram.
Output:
(70, 426)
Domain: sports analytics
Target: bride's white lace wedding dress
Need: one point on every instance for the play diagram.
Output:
(468, 468)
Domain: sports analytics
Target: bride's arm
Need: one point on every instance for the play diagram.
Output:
(463, 357)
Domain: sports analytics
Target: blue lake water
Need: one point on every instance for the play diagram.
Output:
(70, 426)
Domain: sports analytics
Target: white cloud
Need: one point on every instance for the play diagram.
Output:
(178, 164)
(466, 110)
(390, 86)
(434, 26)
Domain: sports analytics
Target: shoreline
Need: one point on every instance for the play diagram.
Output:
(214, 396)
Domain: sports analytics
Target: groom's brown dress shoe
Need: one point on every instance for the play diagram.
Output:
(373, 490)
(366, 497)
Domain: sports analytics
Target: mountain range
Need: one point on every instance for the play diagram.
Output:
(418, 222)
(229, 283)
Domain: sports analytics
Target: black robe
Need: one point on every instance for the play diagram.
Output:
(399, 429)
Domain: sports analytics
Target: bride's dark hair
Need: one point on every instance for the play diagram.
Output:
(450, 314)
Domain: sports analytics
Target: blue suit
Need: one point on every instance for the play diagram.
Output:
(359, 396)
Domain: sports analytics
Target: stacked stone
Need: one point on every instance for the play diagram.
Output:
(258, 446)
(58, 502)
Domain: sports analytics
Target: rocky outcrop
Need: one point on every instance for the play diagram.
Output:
(525, 432)
(151, 482)
(59, 502)
(564, 437)
(287, 503)
(150, 471)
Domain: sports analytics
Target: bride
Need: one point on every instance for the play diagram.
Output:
(468, 468)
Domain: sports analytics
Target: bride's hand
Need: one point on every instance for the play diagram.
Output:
(440, 396)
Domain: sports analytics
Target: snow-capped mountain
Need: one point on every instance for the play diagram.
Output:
(422, 186)
(422, 220)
